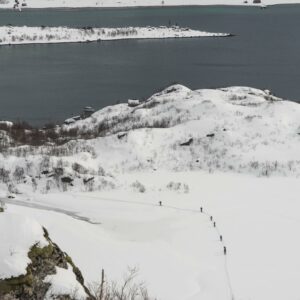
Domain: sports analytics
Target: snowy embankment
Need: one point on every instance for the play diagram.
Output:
(10, 35)
(135, 3)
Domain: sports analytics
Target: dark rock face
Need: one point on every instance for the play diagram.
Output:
(43, 262)
(187, 143)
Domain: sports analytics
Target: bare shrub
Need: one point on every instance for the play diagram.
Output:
(138, 187)
(128, 289)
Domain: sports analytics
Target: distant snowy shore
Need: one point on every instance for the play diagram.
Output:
(134, 3)
(35, 35)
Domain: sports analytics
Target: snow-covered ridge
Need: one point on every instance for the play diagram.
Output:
(34, 35)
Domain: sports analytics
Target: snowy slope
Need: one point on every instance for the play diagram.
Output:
(10, 35)
(178, 252)
(233, 151)
(131, 3)
(237, 129)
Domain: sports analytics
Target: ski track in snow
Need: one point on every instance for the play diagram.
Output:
(85, 219)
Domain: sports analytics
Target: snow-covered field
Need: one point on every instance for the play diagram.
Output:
(178, 252)
(10, 35)
(133, 3)
(233, 151)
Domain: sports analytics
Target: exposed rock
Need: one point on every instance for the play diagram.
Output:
(44, 261)
(187, 143)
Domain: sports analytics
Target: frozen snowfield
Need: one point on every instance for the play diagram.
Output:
(178, 251)
(133, 3)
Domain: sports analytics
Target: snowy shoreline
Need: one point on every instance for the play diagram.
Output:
(8, 4)
(41, 35)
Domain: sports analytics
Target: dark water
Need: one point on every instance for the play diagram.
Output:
(40, 83)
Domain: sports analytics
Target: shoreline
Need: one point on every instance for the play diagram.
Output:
(14, 35)
(115, 7)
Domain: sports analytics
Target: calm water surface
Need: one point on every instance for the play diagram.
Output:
(41, 83)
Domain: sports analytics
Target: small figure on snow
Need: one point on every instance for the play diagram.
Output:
(214, 224)
(225, 250)
(221, 238)
(201, 209)
(211, 218)
(160, 203)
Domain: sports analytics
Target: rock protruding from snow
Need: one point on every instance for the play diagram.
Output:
(32, 266)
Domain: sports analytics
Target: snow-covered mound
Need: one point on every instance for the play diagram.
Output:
(236, 129)
(31, 266)
(10, 35)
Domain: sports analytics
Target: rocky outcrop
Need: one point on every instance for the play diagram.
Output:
(32, 285)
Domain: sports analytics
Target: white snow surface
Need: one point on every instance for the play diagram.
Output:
(242, 167)
(64, 282)
(178, 252)
(10, 35)
(17, 235)
(235, 129)
(133, 3)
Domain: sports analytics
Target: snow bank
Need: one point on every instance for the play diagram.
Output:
(17, 235)
(33, 35)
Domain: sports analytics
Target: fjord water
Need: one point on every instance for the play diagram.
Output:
(41, 83)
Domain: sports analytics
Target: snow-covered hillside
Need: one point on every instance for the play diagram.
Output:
(132, 3)
(232, 151)
(237, 129)
(10, 35)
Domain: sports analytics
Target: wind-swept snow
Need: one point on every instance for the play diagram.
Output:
(33, 35)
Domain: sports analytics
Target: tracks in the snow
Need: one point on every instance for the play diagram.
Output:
(85, 219)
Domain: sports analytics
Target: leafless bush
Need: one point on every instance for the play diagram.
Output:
(138, 187)
(128, 289)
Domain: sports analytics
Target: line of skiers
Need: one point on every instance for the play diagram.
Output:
(214, 224)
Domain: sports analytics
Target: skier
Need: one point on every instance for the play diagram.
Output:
(214, 224)
(221, 238)
(201, 209)
(225, 250)
(160, 203)
(211, 218)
